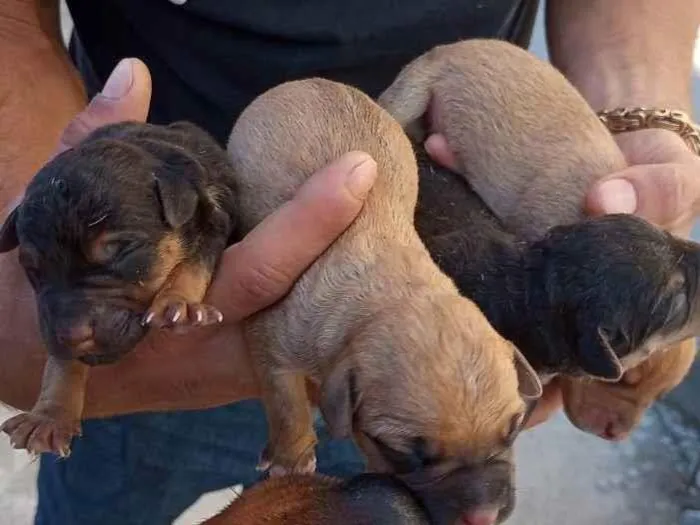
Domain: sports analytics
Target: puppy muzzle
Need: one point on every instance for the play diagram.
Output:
(478, 495)
(97, 332)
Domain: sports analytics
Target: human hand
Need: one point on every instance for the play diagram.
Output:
(209, 366)
(661, 184)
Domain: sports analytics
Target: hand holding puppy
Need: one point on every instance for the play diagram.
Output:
(185, 371)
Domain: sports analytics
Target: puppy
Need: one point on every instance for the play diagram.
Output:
(117, 235)
(515, 125)
(302, 499)
(613, 411)
(578, 296)
(404, 363)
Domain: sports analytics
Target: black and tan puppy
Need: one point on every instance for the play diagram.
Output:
(302, 499)
(578, 296)
(117, 235)
(405, 364)
(588, 299)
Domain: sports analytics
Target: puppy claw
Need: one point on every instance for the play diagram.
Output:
(180, 315)
(40, 432)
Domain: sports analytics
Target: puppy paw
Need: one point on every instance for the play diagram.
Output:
(42, 431)
(176, 313)
(304, 464)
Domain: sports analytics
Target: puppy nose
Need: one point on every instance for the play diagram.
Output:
(76, 335)
(481, 517)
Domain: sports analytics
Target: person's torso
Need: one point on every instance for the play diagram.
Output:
(210, 58)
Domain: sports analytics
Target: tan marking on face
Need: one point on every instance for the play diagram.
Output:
(170, 254)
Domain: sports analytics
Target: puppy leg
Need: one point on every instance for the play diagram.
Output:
(291, 442)
(178, 303)
(55, 418)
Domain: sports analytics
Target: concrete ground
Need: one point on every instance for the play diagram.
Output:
(564, 476)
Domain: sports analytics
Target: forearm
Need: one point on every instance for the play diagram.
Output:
(625, 52)
(39, 93)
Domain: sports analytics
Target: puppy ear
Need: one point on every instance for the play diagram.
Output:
(8, 232)
(529, 383)
(597, 358)
(176, 190)
(339, 399)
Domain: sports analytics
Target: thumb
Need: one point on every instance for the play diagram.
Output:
(664, 194)
(125, 96)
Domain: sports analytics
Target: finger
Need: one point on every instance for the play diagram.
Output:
(438, 150)
(125, 96)
(664, 194)
(262, 268)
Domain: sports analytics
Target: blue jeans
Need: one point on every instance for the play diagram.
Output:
(147, 469)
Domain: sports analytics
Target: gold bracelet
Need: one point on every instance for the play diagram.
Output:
(621, 120)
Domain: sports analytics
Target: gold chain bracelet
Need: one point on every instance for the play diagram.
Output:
(621, 120)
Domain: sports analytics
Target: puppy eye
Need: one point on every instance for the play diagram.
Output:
(111, 249)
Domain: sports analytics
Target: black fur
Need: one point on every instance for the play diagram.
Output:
(573, 300)
(141, 181)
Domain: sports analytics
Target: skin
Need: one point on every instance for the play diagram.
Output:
(623, 42)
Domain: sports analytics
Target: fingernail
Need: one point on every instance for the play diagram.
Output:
(362, 175)
(618, 196)
(120, 81)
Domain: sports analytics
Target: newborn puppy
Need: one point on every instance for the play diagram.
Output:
(578, 296)
(613, 410)
(405, 364)
(592, 298)
(298, 499)
(116, 235)
(523, 137)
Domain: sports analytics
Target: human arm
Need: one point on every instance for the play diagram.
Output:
(632, 53)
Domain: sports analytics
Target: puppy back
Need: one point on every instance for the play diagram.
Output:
(524, 137)
(296, 129)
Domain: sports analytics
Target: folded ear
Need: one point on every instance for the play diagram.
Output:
(8, 232)
(597, 358)
(529, 383)
(339, 399)
(175, 186)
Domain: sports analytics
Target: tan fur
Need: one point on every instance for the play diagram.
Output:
(55, 418)
(614, 410)
(373, 314)
(529, 155)
(292, 500)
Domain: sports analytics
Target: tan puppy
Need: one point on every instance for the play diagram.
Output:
(404, 362)
(613, 410)
(528, 154)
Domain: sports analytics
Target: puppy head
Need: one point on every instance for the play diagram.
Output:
(430, 390)
(98, 231)
(622, 289)
(613, 410)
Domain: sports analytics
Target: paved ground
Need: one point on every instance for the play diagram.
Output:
(564, 476)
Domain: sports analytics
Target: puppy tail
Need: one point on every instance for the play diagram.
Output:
(407, 99)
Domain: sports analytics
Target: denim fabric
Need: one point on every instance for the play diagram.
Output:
(147, 469)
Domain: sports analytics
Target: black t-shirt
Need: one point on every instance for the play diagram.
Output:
(210, 58)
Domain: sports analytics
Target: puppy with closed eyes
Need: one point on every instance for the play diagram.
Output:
(613, 411)
(579, 296)
(119, 234)
(405, 364)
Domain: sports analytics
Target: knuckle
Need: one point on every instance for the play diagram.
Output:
(77, 129)
(264, 282)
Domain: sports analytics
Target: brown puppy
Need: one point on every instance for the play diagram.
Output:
(405, 364)
(118, 234)
(524, 138)
(529, 145)
(302, 499)
(613, 410)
